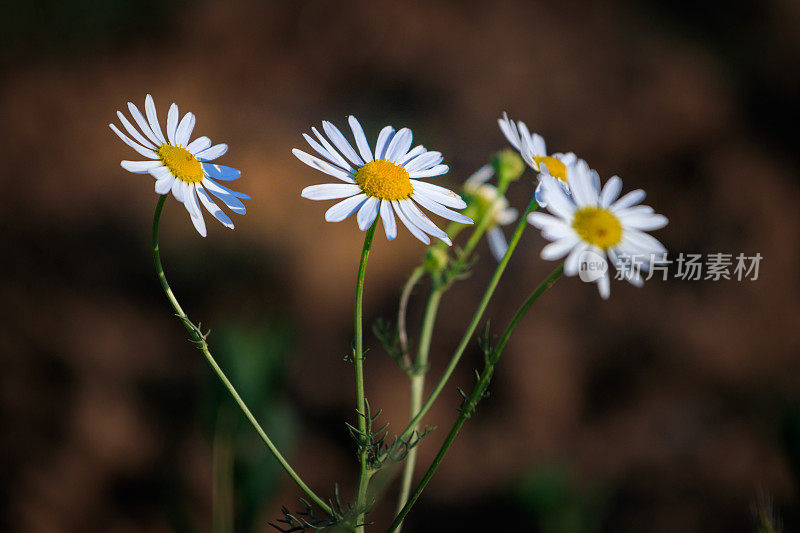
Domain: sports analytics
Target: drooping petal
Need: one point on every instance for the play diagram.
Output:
(419, 219)
(368, 212)
(345, 208)
(387, 217)
(439, 194)
(415, 231)
(440, 210)
(213, 208)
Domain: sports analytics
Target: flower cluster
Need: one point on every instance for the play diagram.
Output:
(585, 216)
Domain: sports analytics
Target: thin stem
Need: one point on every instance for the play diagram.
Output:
(420, 370)
(478, 392)
(402, 309)
(476, 318)
(358, 361)
(199, 339)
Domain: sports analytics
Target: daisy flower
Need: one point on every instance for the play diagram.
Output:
(596, 220)
(486, 197)
(178, 165)
(533, 150)
(385, 183)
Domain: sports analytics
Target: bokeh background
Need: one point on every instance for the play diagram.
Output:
(671, 408)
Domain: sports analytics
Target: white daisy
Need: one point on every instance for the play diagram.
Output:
(533, 150)
(486, 197)
(181, 166)
(595, 220)
(383, 183)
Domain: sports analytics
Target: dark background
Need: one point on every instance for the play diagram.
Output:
(670, 408)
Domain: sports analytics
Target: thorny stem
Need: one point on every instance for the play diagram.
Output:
(358, 361)
(478, 392)
(199, 339)
(419, 370)
(472, 325)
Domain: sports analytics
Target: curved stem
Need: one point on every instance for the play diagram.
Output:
(478, 392)
(476, 318)
(200, 339)
(420, 369)
(358, 361)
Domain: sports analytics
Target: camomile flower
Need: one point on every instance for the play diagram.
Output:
(533, 150)
(386, 182)
(178, 165)
(485, 197)
(594, 224)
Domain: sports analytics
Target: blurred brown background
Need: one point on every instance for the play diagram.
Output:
(670, 408)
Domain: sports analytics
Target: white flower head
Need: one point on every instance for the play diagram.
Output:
(501, 214)
(386, 182)
(181, 166)
(533, 150)
(596, 220)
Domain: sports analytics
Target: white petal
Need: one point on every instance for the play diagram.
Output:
(414, 152)
(384, 138)
(172, 123)
(221, 172)
(367, 213)
(198, 145)
(509, 130)
(229, 197)
(322, 166)
(582, 186)
(573, 259)
(415, 231)
(145, 127)
(330, 191)
(604, 286)
(645, 222)
(424, 161)
(213, 208)
(439, 194)
(133, 132)
(421, 221)
(345, 208)
(160, 172)
(387, 217)
(210, 154)
(610, 191)
(438, 170)
(434, 207)
(497, 243)
(194, 210)
(558, 202)
(327, 150)
(361, 139)
(139, 148)
(152, 119)
(558, 249)
(399, 145)
(339, 140)
(630, 199)
(139, 167)
(643, 242)
(177, 190)
(184, 131)
(164, 185)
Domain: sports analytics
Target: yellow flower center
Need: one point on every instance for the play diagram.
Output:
(556, 168)
(181, 163)
(385, 180)
(597, 226)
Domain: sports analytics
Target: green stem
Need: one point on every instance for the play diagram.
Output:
(476, 318)
(358, 361)
(402, 309)
(478, 392)
(200, 340)
(420, 369)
